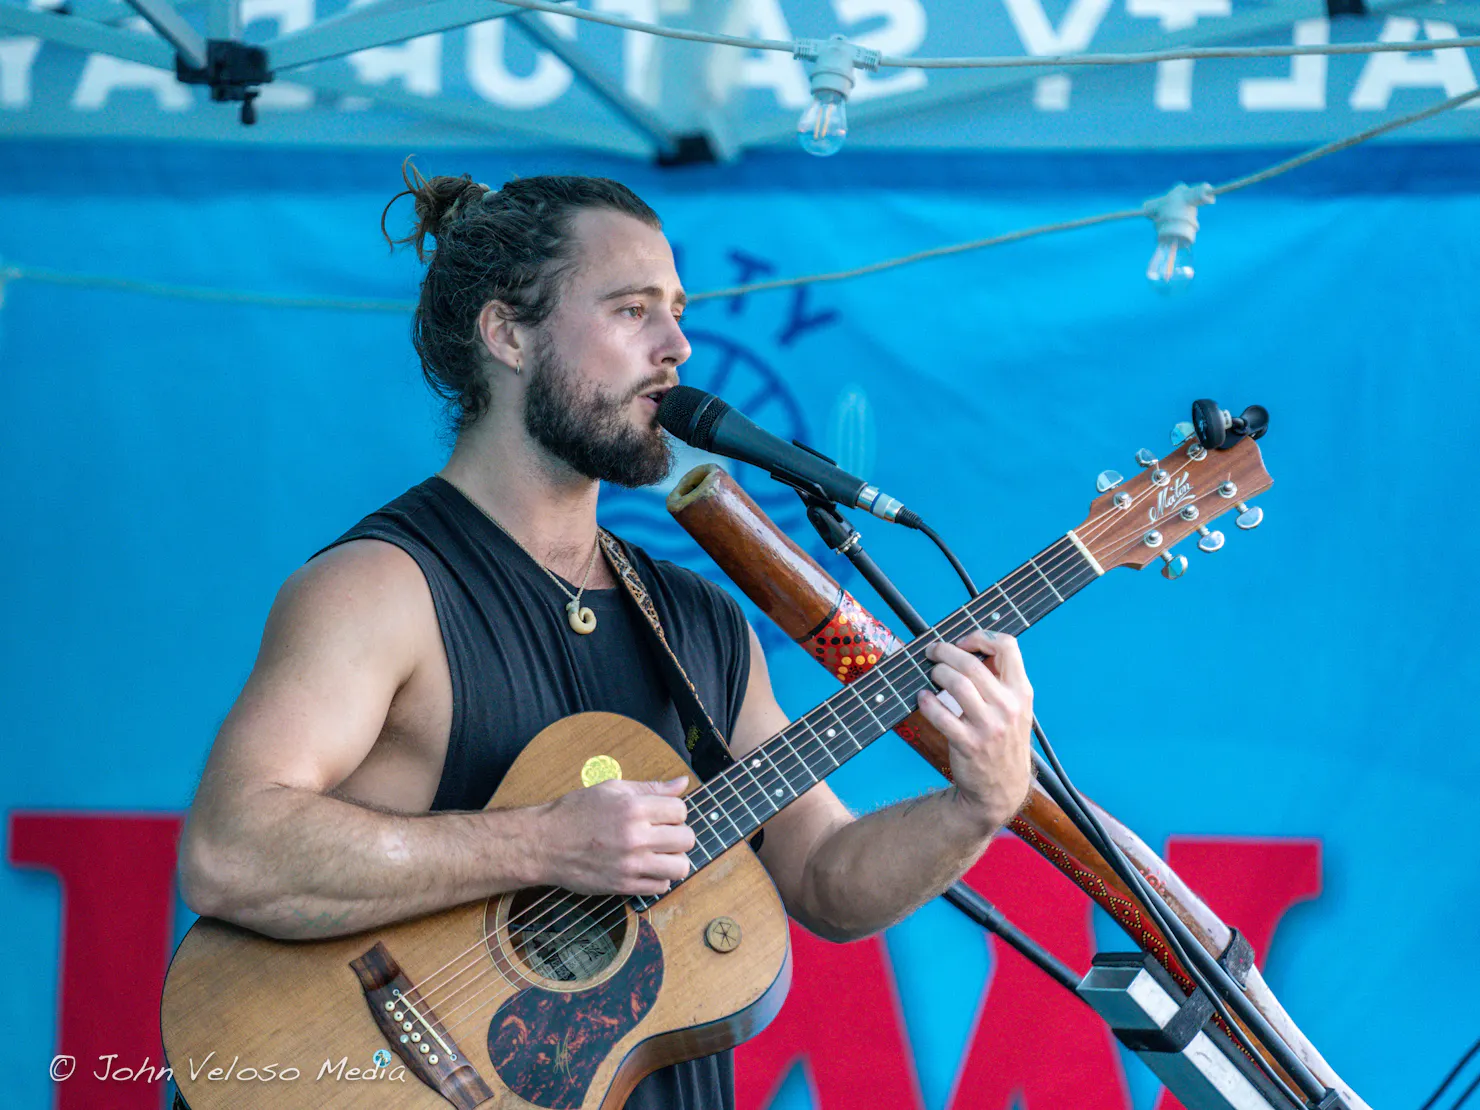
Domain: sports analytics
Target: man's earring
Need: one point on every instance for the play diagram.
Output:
(518, 367)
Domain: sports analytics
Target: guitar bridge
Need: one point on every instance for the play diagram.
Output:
(414, 1032)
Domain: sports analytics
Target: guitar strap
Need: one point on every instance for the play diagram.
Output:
(706, 744)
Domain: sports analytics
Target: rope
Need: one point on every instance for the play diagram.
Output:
(14, 272)
(1342, 144)
(196, 292)
(918, 256)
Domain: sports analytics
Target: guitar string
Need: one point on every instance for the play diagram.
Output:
(1014, 579)
(804, 760)
(957, 623)
(852, 719)
(802, 755)
(1091, 532)
(939, 632)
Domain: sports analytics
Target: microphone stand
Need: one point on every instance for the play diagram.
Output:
(844, 539)
(841, 537)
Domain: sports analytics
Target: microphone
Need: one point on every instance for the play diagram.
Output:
(702, 420)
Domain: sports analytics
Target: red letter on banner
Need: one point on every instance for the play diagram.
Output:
(117, 876)
(842, 1019)
(1034, 1044)
(1249, 883)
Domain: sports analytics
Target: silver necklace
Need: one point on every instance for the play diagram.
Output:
(581, 618)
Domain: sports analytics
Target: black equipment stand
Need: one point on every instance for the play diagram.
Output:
(845, 540)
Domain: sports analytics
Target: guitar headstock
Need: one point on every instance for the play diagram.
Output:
(1135, 522)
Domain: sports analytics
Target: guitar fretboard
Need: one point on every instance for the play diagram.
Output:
(736, 802)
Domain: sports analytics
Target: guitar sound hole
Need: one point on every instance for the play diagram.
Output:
(565, 937)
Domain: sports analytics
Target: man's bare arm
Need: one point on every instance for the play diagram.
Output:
(266, 844)
(844, 877)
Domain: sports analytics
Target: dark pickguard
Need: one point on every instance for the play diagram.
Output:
(546, 1045)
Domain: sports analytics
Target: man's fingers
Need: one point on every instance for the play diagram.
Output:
(955, 659)
(1003, 666)
(967, 692)
(1003, 650)
(668, 866)
(670, 788)
(662, 811)
(946, 723)
(671, 838)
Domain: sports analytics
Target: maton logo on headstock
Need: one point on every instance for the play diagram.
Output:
(1171, 497)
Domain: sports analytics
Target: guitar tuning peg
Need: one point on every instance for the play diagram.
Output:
(1181, 432)
(1108, 480)
(1176, 565)
(1249, 516)
(1146, 458)
(1211, 541)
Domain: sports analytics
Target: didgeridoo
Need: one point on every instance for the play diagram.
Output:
(815, 611)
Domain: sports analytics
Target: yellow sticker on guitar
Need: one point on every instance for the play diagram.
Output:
(599, 768)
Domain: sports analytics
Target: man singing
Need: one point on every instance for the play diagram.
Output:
(403, 668)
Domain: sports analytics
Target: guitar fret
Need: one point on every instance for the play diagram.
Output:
(775, 795)
(905, 707)
(701, 826)
(919, 664)
(1034, 564)
(739, 792)
(972, 618)
(832, 730)
(863, 701)
(1003, 594)
(716, 811)
(1031, 602)
(823, 746)
(786, 739)
(742, 798)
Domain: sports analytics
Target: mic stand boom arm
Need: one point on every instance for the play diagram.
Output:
(841, 537)
(805, 601)
(1206, 975)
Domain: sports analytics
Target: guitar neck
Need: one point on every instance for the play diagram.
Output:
(736, 802)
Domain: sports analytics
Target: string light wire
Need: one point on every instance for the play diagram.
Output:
(15, 272)
(807, 48)
(1090, 221)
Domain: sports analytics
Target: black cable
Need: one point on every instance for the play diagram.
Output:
(969, 902)
(1470, 1090)
(920, 525)
(1453, 1074)
(841, 537)
(1201, 969)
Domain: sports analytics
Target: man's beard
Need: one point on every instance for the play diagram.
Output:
(588, 430)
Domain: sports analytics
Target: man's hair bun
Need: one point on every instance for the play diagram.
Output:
(436, 199)
(514, 245)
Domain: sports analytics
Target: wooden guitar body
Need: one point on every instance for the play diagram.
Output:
(251, 1022)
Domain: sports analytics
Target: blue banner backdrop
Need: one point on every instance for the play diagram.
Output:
(167, 463)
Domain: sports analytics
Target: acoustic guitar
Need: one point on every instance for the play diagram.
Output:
(547, 998)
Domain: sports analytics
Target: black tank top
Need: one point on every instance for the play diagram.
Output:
(517, 666)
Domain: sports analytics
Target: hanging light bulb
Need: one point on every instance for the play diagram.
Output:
(824, 125)
(1175, 217)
